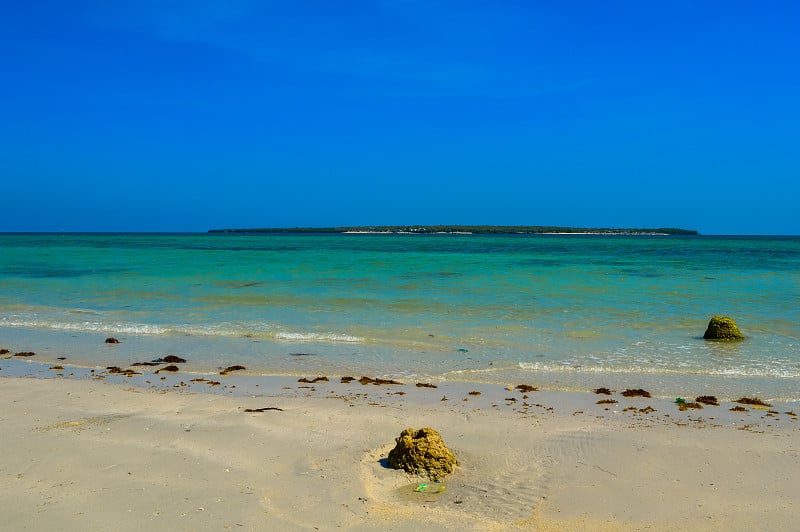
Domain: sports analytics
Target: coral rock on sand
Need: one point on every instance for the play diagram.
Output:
(422, 452)
(723, 328)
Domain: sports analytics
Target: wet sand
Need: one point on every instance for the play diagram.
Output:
(87, 450)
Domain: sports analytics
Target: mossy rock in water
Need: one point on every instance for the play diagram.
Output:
(723, 328)
(422, 452)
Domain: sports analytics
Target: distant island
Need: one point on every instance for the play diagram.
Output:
(467, 230)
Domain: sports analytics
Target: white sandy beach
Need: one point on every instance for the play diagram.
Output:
(93, 455)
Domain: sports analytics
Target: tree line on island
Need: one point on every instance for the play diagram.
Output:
(466, 229)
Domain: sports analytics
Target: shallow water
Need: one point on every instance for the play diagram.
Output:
(563, 311)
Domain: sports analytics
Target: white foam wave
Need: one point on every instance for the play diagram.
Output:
(679, 369)
(317, 337)
(87, 326)
(264, 331)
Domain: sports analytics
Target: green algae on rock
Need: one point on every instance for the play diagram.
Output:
(422, 452)
(724, 329)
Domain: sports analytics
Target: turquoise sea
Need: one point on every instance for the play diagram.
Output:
(558, 311)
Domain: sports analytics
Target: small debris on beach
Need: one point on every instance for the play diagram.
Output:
(264, 409)
(61, 358)
(302, 355)
(312, 381)
(738, 409)
(146, 363)
(24, 354)
(707, 400)
(126, 372)
(209, 382)
(602, 391)
(57, 368)
(426, 385)
(607, 402)
(346, 380)
(231, 368)
(168, 368)
(637, 392)
(171, 359)
(112, 340)
(686, 406)
(377, 381)
(4, 351)
(525, 388)
(474, 392)
(751, 401)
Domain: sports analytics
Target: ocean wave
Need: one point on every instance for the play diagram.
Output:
(679, 369)
(317, 337)
(86, 326)
(253, 330)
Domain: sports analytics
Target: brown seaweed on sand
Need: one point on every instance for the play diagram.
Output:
(637, 392)
(524, 388)
(24, 354)
(112, 340)
(146, 363)
(707, 400)
(172, 359)
(607, 402)
(426, 385)
(686, 406)
(751, 401)
(264, 409)
(231, 368)
(346, 380)
(126, 372)
(738, 409)
(377, 381)
(474, 392)
(602, 391)
(169, 368)
(4, 351)
(312, 381)
(57, 368)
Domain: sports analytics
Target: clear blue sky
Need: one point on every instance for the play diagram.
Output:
(189, 115)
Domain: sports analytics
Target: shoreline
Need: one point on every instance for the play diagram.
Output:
(99, 452)
(87, 351)
(242, 382)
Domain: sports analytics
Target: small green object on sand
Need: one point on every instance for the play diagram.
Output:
(424, 487)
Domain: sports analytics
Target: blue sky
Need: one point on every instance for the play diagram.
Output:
(190, 115)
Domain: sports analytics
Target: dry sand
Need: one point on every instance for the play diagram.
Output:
(86, 454)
